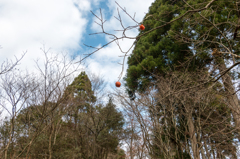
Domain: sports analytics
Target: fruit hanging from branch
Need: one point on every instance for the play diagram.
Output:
(118, 84)
(142, 27)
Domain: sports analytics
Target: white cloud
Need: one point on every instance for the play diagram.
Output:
(27, 25)
(83, 5)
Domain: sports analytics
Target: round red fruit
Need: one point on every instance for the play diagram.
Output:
(142, 27)
(118, 84)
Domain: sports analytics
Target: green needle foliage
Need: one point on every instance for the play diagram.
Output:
(184, 48)
(190, 39)
(158, 51)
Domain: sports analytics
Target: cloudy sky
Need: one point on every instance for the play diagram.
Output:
(64, 26)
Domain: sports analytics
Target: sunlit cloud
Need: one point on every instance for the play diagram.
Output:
(61, 26)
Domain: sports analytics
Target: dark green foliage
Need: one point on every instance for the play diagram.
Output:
(184, 47)
(158, 51)
(80, 91)
(121, 154)
(167, 48)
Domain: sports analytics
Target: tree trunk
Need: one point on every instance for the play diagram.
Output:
(231, 95)
(50, 141)
(193, 138)
(206, 149)
(94, 147)
(203, 154)
(10, 139)
(131, 146)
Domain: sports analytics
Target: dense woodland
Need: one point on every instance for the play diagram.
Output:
(179, 98)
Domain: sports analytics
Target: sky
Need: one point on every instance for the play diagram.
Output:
(64, 26)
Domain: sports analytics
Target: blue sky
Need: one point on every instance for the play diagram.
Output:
(63, 26)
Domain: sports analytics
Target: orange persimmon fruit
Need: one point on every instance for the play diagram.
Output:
(118, 84)
(142, 27)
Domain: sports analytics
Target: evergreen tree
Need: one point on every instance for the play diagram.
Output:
(97, 125)
(77, 128)
(185, 47)
(158, 52)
